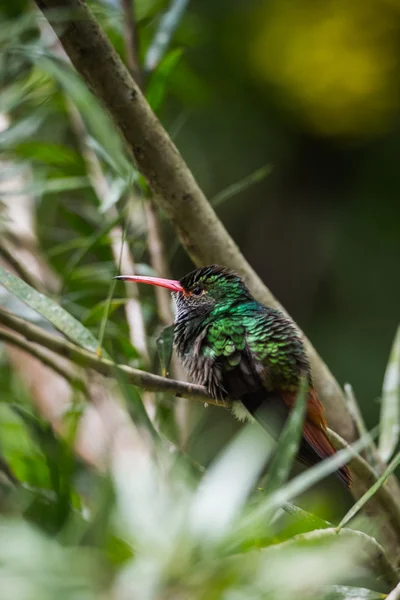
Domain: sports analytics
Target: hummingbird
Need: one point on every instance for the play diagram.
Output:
(242, 350)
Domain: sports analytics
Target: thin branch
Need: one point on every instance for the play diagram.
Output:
(83, 358)
(131, 40)
(371, 451)
(158, 262)
(69, 375)
(359, 467)
(6, 252)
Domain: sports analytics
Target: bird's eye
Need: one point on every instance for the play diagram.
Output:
(197, 291)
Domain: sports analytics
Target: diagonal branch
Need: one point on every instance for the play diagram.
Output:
(83, 358)
(201, 232)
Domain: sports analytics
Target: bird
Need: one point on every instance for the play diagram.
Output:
(237, 348)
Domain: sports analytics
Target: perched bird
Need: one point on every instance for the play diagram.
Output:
(240, 349)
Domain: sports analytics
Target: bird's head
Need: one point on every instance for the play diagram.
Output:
(206, 290)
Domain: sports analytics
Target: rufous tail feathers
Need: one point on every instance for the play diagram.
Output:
(314, 433)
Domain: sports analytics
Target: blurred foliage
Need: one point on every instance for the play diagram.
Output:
(287, 112)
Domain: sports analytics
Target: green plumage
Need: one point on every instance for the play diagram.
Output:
(221, 329)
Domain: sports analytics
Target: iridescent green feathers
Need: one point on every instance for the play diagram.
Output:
(233, 323)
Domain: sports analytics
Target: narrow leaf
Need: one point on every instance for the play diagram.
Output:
(240, 186)
(168, 24)
(369, 493)
(157, 86)
(288, 444)
(390, 407)
(227, 483)
(49, 309)
(98, 122)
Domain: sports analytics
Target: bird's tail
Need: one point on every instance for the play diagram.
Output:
(319, 447)
(316, 445)
(271, 411)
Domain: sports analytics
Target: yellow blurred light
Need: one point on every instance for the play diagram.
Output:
(334, 62)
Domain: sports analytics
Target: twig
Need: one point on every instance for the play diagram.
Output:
(158, 262)
(11, 338)
(369, 477)
(81, 357)
(354, 409)
(131, 40)
(11, 258)
(371, 492)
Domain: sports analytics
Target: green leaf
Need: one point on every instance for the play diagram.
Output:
(98, 121)
(310, 520)
(117, 189)
(345, 592)
(369, 493)
(56, 185)
(49, 309)
(241, 185)
(165, 343)
(21, 130)
(390, 407)
(49, 153)
(96, 314)
(288, 444)
(228, 482)
(157, 86)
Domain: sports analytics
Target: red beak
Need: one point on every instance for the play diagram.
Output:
(171, 284)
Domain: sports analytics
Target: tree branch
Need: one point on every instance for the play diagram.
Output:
(68, 374)
(9, 255)
(83, 358)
